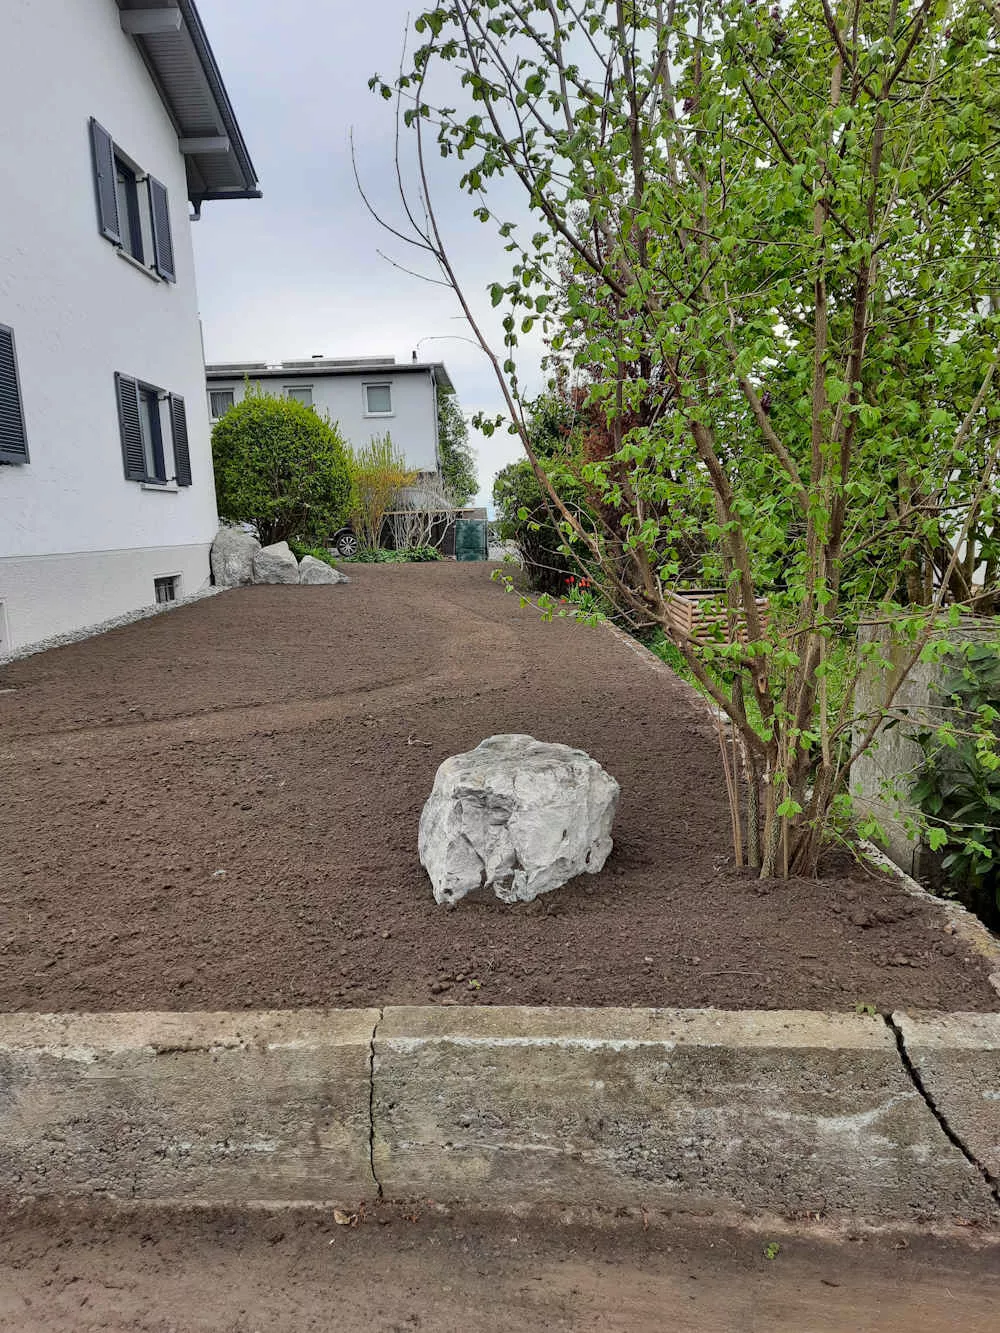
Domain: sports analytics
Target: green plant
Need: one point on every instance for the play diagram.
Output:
(459, 475)
(378, 473)
(766, 248)
(300, 549)
(380, 556)
(869, 1010)
(958, 786)
(772, 1249)
(279, 467)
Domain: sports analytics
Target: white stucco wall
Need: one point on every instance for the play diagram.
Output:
(413, 424)
(80, 312)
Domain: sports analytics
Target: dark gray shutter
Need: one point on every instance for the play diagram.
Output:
(163, 249)
(104, 182)
(131, 431)
(179, 431)
(13, 439)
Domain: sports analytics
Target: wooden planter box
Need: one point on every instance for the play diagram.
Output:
(697, 615)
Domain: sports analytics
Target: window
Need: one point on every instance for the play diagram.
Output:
(378, 400)
(151, 430)
(165, 589)
(127, 197)
(300, 393)
(132, 207)
(219, 402)
(13, 440)
(141, 412)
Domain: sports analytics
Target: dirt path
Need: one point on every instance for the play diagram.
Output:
(231, 1273)
(217, 808)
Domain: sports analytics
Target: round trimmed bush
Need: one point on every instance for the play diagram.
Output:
(280, 467)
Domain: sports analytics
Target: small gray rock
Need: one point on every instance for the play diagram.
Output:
(233, 553)
(275, 564)
(517, 816)
(312, 570)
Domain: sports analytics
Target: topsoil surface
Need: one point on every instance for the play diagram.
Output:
(217, 808)
(418, 1268)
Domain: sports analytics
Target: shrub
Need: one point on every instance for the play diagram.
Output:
(958, 787)
(279, 467)
(378, 473)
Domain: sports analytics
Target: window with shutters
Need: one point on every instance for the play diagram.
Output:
(13, 437)
(147, 418)
(133, 210)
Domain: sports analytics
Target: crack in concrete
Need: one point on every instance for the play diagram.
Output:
(371, 1107)
(913, 1073)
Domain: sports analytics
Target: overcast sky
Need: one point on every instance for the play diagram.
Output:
(297, 273)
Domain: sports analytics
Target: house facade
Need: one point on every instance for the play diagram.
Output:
(366, 396)
(123, 126)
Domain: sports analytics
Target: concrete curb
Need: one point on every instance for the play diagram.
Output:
(956, 1058)
(241, 1107)
(705, 1110)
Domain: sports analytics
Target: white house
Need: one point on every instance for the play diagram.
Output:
(366, 396)
(116, 121)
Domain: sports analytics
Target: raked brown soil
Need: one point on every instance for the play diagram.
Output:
(217, 808)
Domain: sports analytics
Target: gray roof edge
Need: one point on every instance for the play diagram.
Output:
(201, 44)
(213, 75)
(236, 370)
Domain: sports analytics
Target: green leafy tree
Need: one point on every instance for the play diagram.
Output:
(279, 467)
(458, 460)
(768, 247)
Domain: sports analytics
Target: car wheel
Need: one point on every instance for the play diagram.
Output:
(347, 544)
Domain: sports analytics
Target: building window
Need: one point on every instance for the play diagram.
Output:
(219, 402)
(151, 428)
(129, 216)
(378, 400)
(141, 411)
(300, 393)
(166, 589)
(13, 439)
(132, 207)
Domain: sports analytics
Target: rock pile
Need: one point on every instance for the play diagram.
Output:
(239, 559)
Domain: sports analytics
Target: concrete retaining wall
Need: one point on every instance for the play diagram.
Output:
(709, 1109)
(208, 1107)
(957, 1059)
(701, 1109)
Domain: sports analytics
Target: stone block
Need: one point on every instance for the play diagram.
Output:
(700, 1109)
(957, 1057)
(223, 1108)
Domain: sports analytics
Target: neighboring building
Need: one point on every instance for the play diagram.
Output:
(366, 396)
(115, 117)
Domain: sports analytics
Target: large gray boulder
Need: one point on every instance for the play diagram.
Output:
(232, 557)
(312, 570)
(275, 564)
(516, 816)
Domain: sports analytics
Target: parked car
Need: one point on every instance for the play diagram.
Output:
(344, 542)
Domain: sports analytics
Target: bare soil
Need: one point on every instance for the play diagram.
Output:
(218, 807)
(419, 1268)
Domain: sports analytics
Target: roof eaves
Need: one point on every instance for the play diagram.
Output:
(200, 163)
